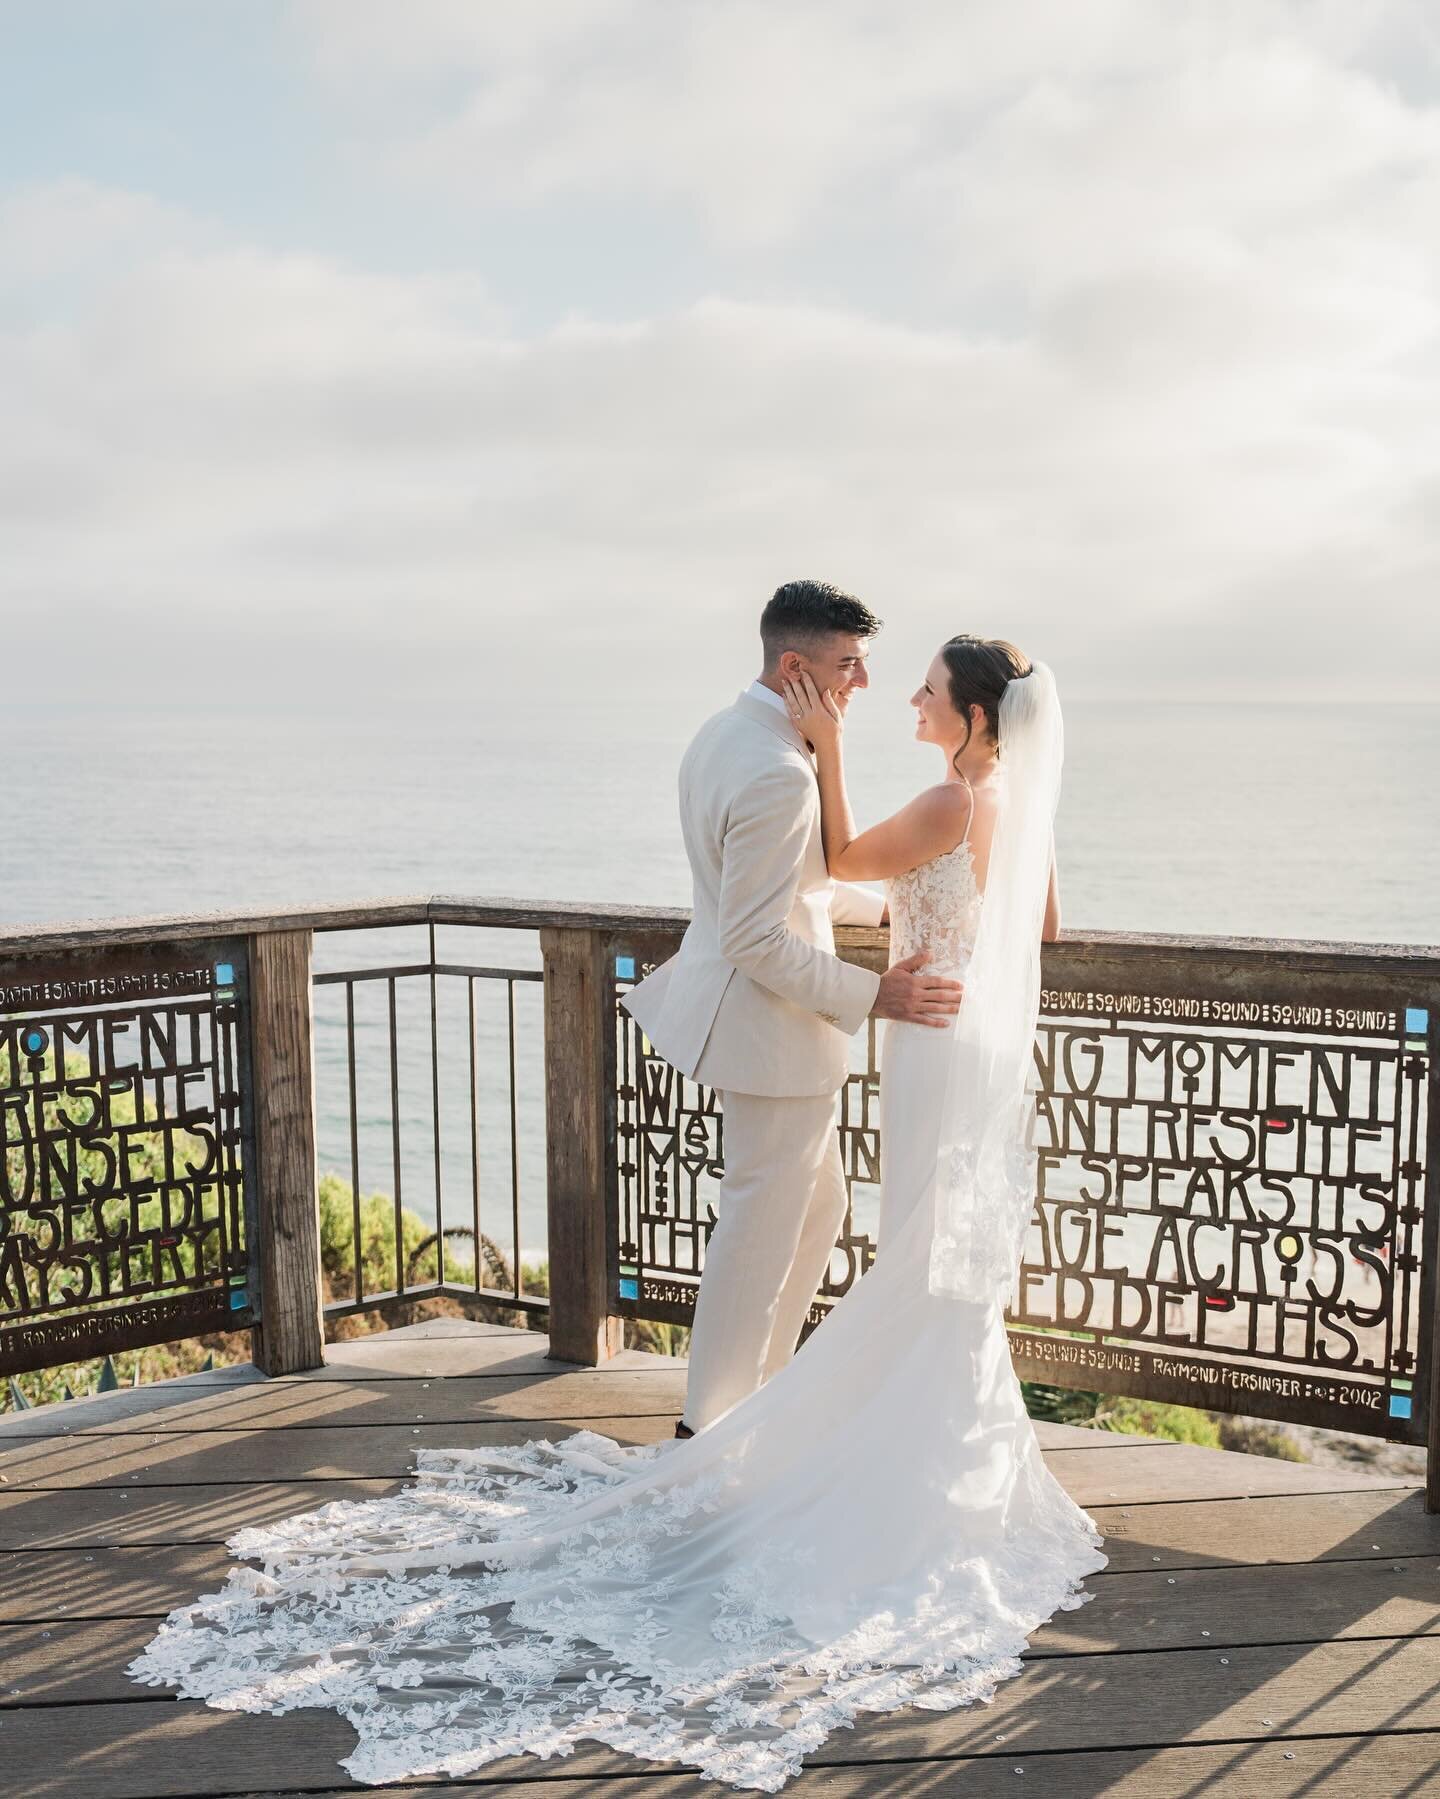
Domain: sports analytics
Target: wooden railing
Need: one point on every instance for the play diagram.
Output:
(1238, 1148)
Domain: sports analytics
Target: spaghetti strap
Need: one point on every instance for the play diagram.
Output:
(969, 816)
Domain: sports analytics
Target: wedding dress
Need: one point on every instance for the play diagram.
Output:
(874, 1528)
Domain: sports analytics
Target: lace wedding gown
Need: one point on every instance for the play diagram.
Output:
(874, 1528)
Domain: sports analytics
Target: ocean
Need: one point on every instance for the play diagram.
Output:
(1301, 820)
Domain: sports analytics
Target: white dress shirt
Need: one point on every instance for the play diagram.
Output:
(759, 691)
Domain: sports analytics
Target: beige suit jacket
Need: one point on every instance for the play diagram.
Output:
(755, 1000)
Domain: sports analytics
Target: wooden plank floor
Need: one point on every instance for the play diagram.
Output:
(1261, 1627)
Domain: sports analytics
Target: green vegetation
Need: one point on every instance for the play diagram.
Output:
(1150, 1418)
(659, 1339)
(1114, 1412)
(422, 1260)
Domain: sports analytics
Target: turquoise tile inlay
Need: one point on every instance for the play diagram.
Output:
(629, 1289)
(624, 968)
(224, 973)
(34, 1042)
(238, 1298)
(1399, 1405)
(1417, 1021)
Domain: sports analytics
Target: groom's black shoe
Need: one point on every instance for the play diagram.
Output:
(682, 1429)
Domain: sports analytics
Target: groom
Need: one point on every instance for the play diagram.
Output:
(756, 1004)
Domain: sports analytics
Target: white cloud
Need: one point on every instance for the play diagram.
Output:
(757, 116)
(74, 226)
(1165, 408)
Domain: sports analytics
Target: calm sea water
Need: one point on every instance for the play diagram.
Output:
(1299, 820)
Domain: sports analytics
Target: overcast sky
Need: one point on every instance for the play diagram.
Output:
(423, 348)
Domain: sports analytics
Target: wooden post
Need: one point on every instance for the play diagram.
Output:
(1432, 1434)
(291, 1333)
(580, 1139)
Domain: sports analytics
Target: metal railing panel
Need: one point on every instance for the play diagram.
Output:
(127, 1203)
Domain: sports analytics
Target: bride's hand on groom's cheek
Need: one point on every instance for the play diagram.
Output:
(815, 714)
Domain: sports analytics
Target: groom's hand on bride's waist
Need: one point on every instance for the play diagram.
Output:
(917, 998)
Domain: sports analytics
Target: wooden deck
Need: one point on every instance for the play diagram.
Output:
(1262, 1627)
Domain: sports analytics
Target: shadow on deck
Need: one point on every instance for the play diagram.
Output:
(1262, 1626)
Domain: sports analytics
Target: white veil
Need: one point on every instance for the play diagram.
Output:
(985, 1181)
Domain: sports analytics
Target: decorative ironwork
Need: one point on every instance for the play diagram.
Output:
(1230, 1205)
(1231, 1195)
(125, 1136)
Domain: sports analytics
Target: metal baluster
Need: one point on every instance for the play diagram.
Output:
(435, 1115)
(474, 1136)
(514, 1146)
(395, 1144)
(357, 1237)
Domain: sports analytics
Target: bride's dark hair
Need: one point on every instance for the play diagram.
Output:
(981, 668)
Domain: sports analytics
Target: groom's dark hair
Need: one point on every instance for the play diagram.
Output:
(800, 613)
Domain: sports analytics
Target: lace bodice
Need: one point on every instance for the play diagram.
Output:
(936, 906)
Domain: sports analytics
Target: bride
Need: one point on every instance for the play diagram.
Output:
(873, 1528)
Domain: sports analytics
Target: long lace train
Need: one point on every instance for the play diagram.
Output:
(874, 1528)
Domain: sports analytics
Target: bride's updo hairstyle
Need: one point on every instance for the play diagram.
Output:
(981, 668)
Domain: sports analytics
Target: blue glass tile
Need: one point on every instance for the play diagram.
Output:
(1417, 1021)
(34, 1041)
(224, 974)
(624, 968)
(1399, 1405)
(629, 1289)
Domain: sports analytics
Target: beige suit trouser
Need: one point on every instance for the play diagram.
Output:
(782, 1202)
